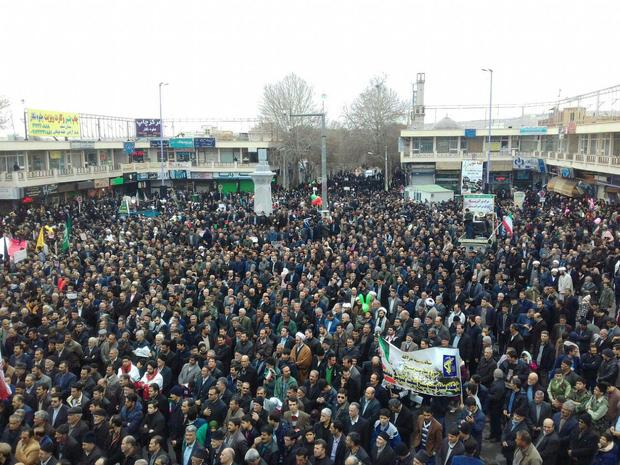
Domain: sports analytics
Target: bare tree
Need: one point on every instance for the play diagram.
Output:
(4, 105)
(298, 136)
(374, 115)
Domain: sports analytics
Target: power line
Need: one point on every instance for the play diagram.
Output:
(557, 102)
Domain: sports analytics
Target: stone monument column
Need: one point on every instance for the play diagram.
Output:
(262, 177)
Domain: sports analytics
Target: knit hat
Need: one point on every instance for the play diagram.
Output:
(89, 438)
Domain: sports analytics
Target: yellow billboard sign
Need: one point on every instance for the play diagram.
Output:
(53, 124)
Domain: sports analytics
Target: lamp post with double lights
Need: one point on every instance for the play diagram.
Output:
(490, 71)
(161, 136)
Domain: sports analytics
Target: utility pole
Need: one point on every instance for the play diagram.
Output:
(488, 183)
(323, 153)
(387, 184)
(161, 136)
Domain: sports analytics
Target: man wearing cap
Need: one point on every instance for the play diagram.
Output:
(46, 454)
(77, 427)
(91, 451)
(199, 456)
(100, 427)
(509, 435)
(68, 448)
(608, 371)
(301, 355)
(216, 447)
(584, 442)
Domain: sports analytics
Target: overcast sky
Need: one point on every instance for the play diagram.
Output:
(107, 57)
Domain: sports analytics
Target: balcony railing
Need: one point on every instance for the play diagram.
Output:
(16, 178)
(209, 165)
(454, 156)
(578, 158)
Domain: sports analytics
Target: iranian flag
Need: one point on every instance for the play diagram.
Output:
(385, 350)
(507, 224)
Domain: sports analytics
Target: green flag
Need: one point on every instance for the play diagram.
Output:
(67, 235)
(385, 347)
(124, 208)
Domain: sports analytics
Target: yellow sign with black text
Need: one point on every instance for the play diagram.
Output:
(44, 123)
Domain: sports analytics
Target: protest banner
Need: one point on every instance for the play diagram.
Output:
(434, 371)
(479, 204)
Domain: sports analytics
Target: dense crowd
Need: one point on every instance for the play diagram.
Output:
(210, 335)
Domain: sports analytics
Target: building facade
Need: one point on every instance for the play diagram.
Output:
(585, 154)
(54, 171)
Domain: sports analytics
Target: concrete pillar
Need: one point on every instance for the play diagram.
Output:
(262, 176)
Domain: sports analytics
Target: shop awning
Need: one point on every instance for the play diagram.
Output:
(567, 187)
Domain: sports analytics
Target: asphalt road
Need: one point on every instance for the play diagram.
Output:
(491, 452)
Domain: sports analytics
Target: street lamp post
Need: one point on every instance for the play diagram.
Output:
(490, 71)
(386, 170)
(323, 153)
(161, 135)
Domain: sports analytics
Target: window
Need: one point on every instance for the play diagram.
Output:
(550, 144)
(583, 144)
(105, 157)
(10, 159)
(529, 143)
(617, 144)
(603, 144)
(593, 145)
(424, 145)
(447, 144)
(91, 158)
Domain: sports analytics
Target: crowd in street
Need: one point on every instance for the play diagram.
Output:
(211, 335)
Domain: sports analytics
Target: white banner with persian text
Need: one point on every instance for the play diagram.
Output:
(433, 372)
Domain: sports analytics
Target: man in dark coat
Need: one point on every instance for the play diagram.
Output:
(92, 453)
(382, 453)
(356, 424)
(565, 424)
(538, 411)
(509, 435)
(451, 446)
(548, 443)
(496, 404)
(584, 442)
(68, 448)
(402, 418)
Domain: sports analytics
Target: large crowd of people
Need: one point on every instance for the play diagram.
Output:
(210, 335)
